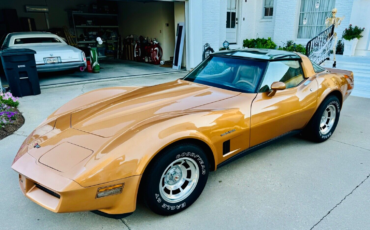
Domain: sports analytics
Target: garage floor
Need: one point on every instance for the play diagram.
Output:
(110, 69)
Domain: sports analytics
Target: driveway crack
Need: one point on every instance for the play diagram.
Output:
(339, 202)
(18, 134)
(350, 145)
(82, 89)
(125, 223)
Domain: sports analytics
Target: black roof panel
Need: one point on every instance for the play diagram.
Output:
(262, 54)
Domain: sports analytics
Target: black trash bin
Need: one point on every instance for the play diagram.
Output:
(20, 70)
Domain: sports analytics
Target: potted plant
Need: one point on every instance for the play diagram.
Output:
(351, 36)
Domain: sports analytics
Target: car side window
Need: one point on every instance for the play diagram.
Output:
(289, 72)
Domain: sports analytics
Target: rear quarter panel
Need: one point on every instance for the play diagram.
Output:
(335, 80)
(329, 81)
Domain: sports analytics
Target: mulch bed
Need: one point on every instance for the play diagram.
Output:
(11, 128)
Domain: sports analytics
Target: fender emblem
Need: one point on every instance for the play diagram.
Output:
(231, 131)
(36, 146)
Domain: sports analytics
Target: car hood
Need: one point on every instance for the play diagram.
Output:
(111, 118)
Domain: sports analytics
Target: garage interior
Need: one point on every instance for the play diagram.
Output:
(119, 23)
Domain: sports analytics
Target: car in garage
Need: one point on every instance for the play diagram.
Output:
(52, 52)
(103, 149)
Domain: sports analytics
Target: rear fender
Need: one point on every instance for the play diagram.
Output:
(333, 83)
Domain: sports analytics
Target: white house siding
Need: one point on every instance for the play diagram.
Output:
(286, 16)
(247, 22)
(264, 27)
(284, 24)
(207, 23)
(194, 32)
(214, 23)
(361, 17)
(344, 8)
(251, 21)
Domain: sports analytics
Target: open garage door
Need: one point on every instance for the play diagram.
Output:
(120, 24)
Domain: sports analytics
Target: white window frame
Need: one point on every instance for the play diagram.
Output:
(313, 18)
(266, 5)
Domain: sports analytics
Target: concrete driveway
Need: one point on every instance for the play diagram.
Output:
(293, 184)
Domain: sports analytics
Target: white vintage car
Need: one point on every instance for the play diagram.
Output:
(52, 53)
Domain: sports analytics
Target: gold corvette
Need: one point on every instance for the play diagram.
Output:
(101, 150)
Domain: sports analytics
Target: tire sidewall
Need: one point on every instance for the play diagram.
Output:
(329, 101)
(152, 194)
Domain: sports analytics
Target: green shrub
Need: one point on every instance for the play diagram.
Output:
(259, 43)
(352, 32)
(9, 100)
(291, 46)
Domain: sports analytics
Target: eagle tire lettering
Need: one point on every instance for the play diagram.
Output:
(173, 207)
(169, 207)
(326, 136)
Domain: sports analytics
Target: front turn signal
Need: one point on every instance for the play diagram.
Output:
(109, 190)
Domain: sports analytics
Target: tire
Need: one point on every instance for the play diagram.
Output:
(167, 172)
(324, 121)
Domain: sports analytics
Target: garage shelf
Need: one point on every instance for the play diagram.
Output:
(85, 23)
(95, 14)
(96, 26)
(88, 42)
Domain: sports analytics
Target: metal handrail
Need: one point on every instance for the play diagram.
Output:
(318, 43)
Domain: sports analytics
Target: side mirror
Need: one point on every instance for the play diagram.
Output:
(277, 85)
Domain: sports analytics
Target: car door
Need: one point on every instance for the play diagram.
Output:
(289, 109)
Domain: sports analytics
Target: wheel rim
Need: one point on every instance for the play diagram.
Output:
(179, 180)
(328, 119)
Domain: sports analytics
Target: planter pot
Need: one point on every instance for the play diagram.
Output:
(350, 47)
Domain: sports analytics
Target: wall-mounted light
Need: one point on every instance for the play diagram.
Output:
(226, 45)
(304, 21)
(317, 4)
(37, 9)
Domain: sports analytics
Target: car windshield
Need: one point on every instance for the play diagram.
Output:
(241, 75)
(19, 41)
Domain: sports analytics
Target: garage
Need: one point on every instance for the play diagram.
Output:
(124, 38)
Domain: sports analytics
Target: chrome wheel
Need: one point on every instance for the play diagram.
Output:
(179, 180)
(328, 119)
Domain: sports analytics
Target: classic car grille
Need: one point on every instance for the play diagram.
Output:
(48, 191)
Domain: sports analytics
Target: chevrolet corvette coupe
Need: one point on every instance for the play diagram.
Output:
(104, 149)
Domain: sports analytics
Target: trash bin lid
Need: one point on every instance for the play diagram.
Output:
(16, 51)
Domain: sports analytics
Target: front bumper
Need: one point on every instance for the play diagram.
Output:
(59, 194)
(60, 66)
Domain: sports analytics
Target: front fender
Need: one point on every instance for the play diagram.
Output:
(130, 153)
